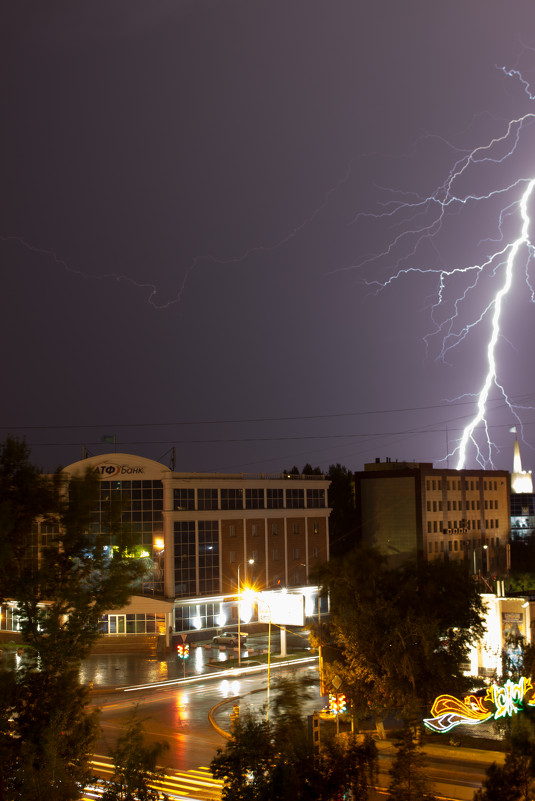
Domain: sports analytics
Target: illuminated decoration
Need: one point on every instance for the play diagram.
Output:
(472, 293)
(182, 650)
(498, 702)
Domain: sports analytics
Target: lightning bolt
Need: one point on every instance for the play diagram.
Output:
(422, 220)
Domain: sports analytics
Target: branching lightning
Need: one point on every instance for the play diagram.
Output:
(421, 220)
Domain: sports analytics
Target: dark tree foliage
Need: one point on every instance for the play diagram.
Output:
(515, 779)
(276, 762)
(402, 633)
(135, 765)
(408, 781)
(61, 590)
(343, 518)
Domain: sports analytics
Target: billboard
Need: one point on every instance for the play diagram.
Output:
(283, 608)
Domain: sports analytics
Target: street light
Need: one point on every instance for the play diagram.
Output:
(250, 562)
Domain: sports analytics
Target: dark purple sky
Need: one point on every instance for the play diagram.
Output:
(183, 245)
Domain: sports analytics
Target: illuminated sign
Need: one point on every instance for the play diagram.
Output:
(282, 608)
(498, 702)
(110, 470)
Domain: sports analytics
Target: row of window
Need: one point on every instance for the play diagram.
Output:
(461, 526)
(460, 506)
(297, 554)
(472, 485)
(189, 499)
(274, 528)
(459, 545)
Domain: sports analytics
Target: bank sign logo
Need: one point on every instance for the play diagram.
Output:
(110, 470)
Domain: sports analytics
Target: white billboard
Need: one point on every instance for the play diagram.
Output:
(283, 608)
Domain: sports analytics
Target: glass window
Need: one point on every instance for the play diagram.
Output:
(254, 498)
(231, 499)
(316, 498)
(184, 536)
(208, 538)
(295, 499)
(206, 499)
(275, 498)
(184, 499)
(274, 528)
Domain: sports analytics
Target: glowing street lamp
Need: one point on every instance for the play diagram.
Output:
(250, 562)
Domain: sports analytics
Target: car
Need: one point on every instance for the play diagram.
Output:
(230, 638)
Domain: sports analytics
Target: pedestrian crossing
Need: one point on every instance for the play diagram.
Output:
(176, 784)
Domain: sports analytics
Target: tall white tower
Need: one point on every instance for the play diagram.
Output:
(521, 480)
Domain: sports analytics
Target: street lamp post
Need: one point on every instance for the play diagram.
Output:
(250, 562)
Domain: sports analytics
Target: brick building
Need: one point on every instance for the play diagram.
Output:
(412, 509)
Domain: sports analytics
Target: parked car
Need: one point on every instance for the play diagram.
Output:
(230, 638)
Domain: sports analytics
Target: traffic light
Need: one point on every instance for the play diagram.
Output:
(337, 703)
(182, 650)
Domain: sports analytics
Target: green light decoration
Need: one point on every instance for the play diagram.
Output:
(498, 702)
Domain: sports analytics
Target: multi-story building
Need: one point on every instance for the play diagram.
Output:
(522, 500)
(413, 510)
(197, 531)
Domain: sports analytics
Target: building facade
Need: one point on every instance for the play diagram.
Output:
(413, 510)
(199, 531)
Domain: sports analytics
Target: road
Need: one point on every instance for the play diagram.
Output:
(178, 715)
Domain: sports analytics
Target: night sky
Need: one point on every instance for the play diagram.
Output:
(186, 235)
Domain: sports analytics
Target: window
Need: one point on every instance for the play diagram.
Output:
(315, 552)
(440, 506)
(184, 499)
(208, 534)
(232, 557)
(295, 499)
(429, 527)
(206, 499)
(254, 530)
(275, 554)
(275, 499)
(184, 541)
(495, 524)
(439, 484)
(232, 499)
(316, 498)
(274, 529)
(455, 545)
(449, 506)
(296, 553)
(430, 547)
(428, 506)
(254, 555)
(434, 506)
(435, 526)
(428, 485)
(232, 530)
(295, 528)
(254, 498)
(434, 484)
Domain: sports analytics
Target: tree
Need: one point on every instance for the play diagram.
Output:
(408, 780)
(343, 518)
(61, 589)
(276, 762)
(402, 633)
(135, 765)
